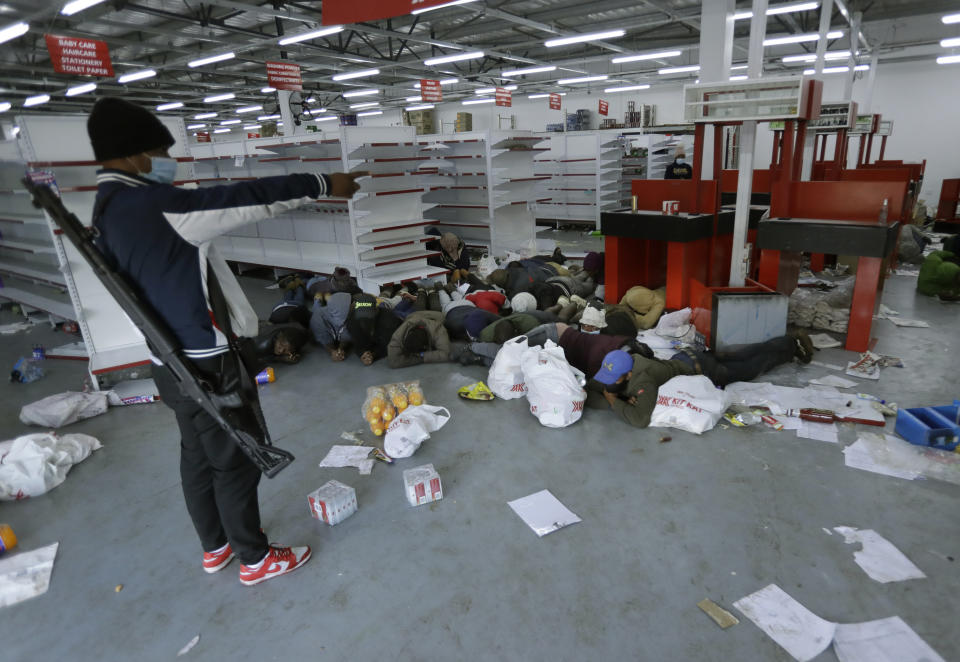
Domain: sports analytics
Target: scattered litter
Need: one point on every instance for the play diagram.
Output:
(791, 422)
(349, 456)
(62, 409)
(383, 457)
(118, 588)
(831, 366)
(885, 311)
(937, 427)
(133, 392)
(742, 419)
(26, 575)
(333, 502)
(15, 327)
(412, 428)
(891, 362)
(827, 531)
(879, 558)
(8, 539)
(543, 512)
(866, 367)
(26, 370)
(823, 341)
(903, 321)
(190, 644)
(891, 456)
(818, 431)
(352, 436)
(883, 640)
(720, 616)
(788, 400)
(833, 380)
(665, 439)
(475, 391)
(422, 485)
(36, 463)
(689, 402)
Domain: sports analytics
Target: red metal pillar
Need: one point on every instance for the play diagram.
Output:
(883, 147)
(869, 148)
(865, 299)
(860, 151)
(685, 260)
(698, 133)
(769, 271)
(823, 145)
(798, 150)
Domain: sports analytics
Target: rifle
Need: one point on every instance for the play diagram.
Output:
(224, 408)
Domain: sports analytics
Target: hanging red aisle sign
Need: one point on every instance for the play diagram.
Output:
(603, 107)
(81, 57)
(340, 12)
(284, 76)
(430, 90)
(504, 97)
(555, 101)
(253, 135)
(203, 137)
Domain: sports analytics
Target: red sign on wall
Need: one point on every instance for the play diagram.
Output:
(555, 101)
(81, 57)
(251, 134)
(203, 137)
(340, 12)
(504, 97)
(284, 76)
(430, 90)
(604, 107)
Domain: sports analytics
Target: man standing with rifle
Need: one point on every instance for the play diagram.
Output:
(159, 237)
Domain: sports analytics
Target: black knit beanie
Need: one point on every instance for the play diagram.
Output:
(118, 128)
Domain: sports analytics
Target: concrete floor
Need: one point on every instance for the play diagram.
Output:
(664, 525)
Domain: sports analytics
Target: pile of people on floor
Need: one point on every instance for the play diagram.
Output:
(467, 320)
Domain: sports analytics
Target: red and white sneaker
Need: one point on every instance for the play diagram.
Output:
(217, 560)
(278, 561)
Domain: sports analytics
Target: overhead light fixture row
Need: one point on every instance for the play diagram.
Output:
(529, 70)
(369, 104)
(627, 88)
(473, 102)
(357, 93)
(204, 116)
(780, 9)
(679, 70)
(812, 57)
(444, 5)
(544, 96)
(950, 19)
(248, 109)
(136, 75)
(360, 73)
(83, 89)
(170, 106)
(426, 106)
(211, 59)
(36, 100)
(459, 57)
(801, 38)
(307, 36)
(220, 97)
(370, 113)
(13, 31)
(580, 38)
(646, 56)
(584, 79)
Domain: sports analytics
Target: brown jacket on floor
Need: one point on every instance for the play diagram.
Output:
(647, 305)
(432, 322)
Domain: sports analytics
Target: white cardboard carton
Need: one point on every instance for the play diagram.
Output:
(333, 502)
(422, 485)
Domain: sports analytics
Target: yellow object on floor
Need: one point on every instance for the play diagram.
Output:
(475, 391)
(8, 540)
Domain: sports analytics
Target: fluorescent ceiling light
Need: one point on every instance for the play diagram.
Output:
(679, 70)
(443, 81)
(368, 104)
(360, 73)
(250, 127)
(221, 130)
(210, 60)
(544, 96)
(83, 89)
(472, 102)
(472, 55)
(220, 97)
(229, 122)
(370, 113)
(204, 116)
(306, 36)
(416, 98)
(137, 75)
(585, 79)
(737, 67)
(315, 111)
(780, 9)
(800, 38)
(812, 57)
(77, 6)
(13, 31)
(646, 56)
(170, 106)
(268, 117)
(627, 88)
(248, 109)
(837, 70)
(950, 19)
(36, 100)
(311, 100)
(5, 106)
(267, 90)
(580, 38)
(485, 90)
(510, 87)
(950, 43)
(359, 93)
(529, 70)
(446, 4)
(740, 77)
(426, 106)
(325, 119)
(943, 59)
(195, 126)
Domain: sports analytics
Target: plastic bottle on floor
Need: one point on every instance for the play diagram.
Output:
(7, 538)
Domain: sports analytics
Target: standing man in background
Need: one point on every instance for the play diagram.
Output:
(679, 169)
(159, 237)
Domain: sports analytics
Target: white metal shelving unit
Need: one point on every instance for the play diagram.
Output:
(760, 99)
(482, 187)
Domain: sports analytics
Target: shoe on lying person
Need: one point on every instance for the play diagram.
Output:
(804, 346)
(278, 561)
(218, 559)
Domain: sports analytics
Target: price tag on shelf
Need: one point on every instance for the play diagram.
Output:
(238, 160)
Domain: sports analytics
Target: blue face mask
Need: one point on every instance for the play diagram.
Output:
(163, 170)
(681, 160)
(593, 333)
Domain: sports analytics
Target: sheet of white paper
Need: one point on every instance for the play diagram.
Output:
(349, 456)
(893, 456)
(818, 431)
(190, 644)
(25, 575)
(800, 632)
(879, 558)
(834, 380)
(858, 455)
(543, 512)
(884, 640)
(14, 327)
(885, 310)
(823, 341)
(790, 422)
(831, 366)
(780, 399)
(903, 321)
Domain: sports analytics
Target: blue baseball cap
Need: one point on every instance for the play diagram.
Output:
(614, 366)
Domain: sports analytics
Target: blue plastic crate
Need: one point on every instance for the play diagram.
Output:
(936, 427)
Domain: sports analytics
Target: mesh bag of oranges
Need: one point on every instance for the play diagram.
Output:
(384, 402)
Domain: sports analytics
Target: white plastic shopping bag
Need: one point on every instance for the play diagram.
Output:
(36, 463)
(554, 387)
(412, 427)
(486, 266)
(689, 402)
(506, 375)
(63, 409)
(678, 328)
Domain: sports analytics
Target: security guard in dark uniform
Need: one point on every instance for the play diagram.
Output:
(679, 169)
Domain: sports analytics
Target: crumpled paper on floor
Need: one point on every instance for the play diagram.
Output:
(36, 463)
(350, 456)
(879, 557)
(26, 575)
(892, 456)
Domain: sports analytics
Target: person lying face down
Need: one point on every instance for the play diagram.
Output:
(421, 338)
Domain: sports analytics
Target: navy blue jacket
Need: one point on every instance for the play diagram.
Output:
(159, 236)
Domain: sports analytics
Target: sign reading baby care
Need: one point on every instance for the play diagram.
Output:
(81, 57)
(284, 76)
